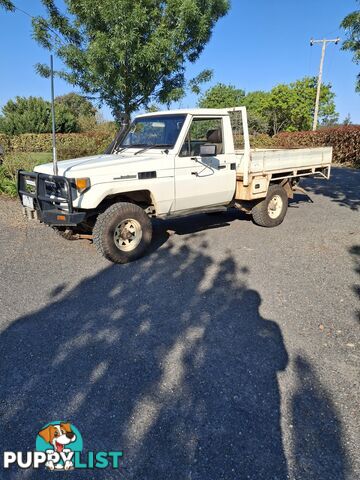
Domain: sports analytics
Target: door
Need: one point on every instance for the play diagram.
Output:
(204, 180)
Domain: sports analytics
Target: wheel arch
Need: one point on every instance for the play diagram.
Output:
(142, 198)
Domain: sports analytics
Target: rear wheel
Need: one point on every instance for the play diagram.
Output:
(122, 233)
(271, 211)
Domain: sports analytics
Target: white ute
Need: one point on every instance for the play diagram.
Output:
(166, 164)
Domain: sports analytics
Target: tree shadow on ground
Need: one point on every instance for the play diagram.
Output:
(167, 359)
(299, 199)
(164, 229)
(355, 252)
(201, 222)
(343, 187)
(318, 449)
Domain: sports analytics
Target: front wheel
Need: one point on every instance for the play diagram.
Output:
(122, 233)
(271, 211)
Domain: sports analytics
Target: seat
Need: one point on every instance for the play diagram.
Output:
(214, 137)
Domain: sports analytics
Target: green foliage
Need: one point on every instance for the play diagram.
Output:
(291, 107)
(285, 108)
(7, 4)
(73, 113)
(151, 108)
(86, 123)
(12, 163)
(77, 104)
(7, 185)
(257, 104)
(347, 120)
(68, 145)
(262, 140)
(203, 77)
(351, 24)
(344, 140)
(33, 115)
(5, 142)
(65, 121)
(127, 53)
(176, 94)
(71, 145)
(222, 96)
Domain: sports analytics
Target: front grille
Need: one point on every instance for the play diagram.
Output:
(49, 192)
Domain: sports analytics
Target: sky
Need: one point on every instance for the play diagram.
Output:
(259, 44)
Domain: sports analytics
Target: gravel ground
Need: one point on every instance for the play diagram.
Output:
(229, 352)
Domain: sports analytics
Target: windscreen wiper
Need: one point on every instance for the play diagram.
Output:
(121, 149)
(157, 145)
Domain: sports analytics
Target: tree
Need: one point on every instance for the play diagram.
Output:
(222, 96)
(347, 120)
(77, 104)
(258, 118)
(291, 107)
(33, 115)
(351, 24)
(286, 107)
(7, 4)
(127, 53)
(194, 86)
(81, 108)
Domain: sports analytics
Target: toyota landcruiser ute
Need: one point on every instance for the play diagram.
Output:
(166, 164)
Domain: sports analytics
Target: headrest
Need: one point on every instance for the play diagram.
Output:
(214, 136)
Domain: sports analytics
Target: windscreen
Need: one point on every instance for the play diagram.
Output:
(158, 131)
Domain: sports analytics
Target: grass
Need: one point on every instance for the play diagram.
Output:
(11, 163)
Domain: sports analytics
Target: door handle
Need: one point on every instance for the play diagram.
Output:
(194, 173)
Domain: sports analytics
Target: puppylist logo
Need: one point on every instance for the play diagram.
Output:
(59, 447)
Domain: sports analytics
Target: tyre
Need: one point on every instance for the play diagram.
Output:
(122, 233)
(271, 211)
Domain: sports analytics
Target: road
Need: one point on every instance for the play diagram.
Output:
(229, 352)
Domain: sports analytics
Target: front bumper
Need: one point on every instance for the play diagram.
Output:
(52, 197)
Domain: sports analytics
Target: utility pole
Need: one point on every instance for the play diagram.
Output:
(324, 45)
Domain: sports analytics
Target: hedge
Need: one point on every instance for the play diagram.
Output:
(69, 145)
(344, 140)
(27, 150)
(261, 140)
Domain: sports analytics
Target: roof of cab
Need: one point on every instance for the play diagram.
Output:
(189, 111)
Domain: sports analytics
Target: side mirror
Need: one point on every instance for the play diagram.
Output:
(208, 150)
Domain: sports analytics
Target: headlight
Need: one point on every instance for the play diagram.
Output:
(82, 184)
(56, 188)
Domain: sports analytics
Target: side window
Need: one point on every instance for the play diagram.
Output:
(203, 131)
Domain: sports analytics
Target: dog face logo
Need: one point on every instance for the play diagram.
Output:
(59, 440)
(58, 435)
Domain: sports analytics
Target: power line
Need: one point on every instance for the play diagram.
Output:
(324, 45)
(34, 18)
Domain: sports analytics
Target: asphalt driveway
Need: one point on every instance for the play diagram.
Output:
(229, 352)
